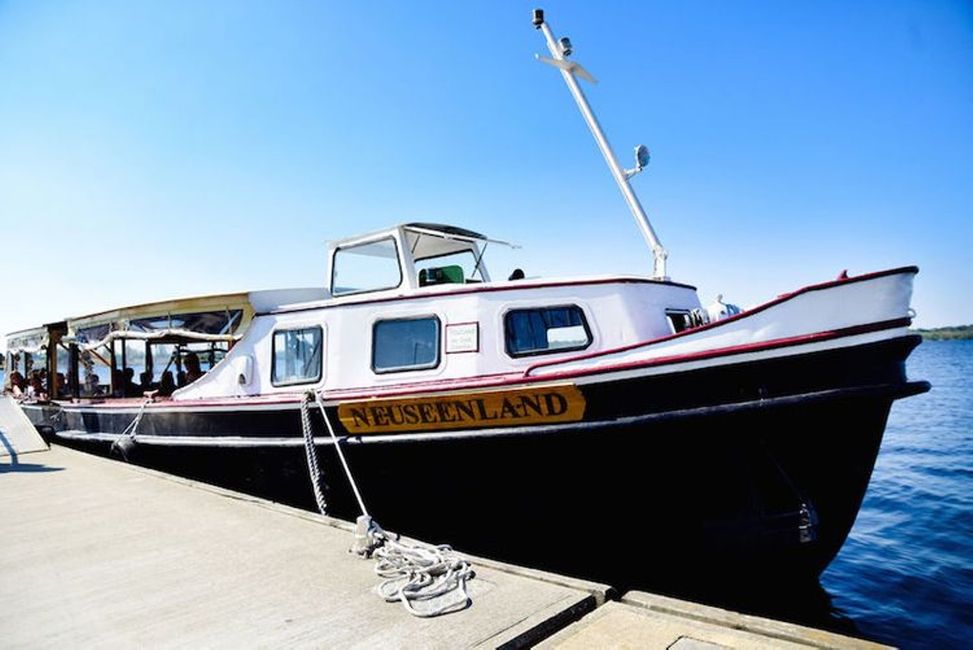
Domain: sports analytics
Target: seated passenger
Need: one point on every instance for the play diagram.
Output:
(92, 385)
(191, 363)
(35, 388)
(145, 382)
(166, 385)
(62, 389)
(117, 383)
(128, 382)
(17, 384)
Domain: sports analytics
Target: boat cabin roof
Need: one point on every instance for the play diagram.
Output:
(196, 314)
(31, 340)
(222, 316)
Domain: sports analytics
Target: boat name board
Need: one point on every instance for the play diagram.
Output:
(543, 405)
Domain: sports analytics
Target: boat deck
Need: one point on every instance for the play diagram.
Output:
(96, 552)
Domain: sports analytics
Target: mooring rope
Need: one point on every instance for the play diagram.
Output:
(421, 573)
(311, 454)
(341, 455)
(412, 573)
(126, 440)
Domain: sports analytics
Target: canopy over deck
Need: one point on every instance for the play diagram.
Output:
(221, 316)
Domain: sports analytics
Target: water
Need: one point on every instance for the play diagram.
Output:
(905, 575)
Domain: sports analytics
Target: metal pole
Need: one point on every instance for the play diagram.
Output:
(659, 253)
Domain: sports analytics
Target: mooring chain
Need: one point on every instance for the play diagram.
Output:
(412, 573)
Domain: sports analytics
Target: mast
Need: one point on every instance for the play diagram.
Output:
(560, 51)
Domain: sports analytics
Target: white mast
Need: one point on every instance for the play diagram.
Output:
(560, 50)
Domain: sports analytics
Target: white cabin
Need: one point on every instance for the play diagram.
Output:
(414, 306)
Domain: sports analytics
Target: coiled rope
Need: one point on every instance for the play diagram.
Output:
(420, 576)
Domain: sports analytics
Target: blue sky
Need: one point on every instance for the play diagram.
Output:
(158, 149)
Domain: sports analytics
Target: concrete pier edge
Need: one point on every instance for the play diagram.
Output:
(86, 535)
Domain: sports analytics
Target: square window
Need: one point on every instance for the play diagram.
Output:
(296, 356)
(405, 344)
(545, 330)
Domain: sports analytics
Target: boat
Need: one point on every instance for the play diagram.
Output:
(606, 426)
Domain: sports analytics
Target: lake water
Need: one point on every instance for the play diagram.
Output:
(905, 575)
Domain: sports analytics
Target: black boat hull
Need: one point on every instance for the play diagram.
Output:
(754, 468)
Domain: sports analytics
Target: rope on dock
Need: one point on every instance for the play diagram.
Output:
(420, 576)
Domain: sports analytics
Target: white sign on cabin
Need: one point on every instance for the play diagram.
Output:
(462, 337)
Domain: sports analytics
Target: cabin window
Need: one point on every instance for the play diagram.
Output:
(62, 365)
(296, 356)
(545, 330)
(679, 320)
(405, 344)
(451, 268)
(365, 267)
(95, 371)
(130, 375)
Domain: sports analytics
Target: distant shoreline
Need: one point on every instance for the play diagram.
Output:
(955, 333)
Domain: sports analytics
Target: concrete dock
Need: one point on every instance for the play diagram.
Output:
(96, 552)
(641, 620)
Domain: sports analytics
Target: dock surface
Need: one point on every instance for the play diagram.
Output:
(96, 552)
(100, 553)
(642, 620)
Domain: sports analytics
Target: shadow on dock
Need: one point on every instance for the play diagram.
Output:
(24, 468)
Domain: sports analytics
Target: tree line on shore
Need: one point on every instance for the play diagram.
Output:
(953, 333)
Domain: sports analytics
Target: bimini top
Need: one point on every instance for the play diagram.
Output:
(30, 341)
(212, 318)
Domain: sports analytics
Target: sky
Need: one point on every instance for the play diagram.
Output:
(151, 150)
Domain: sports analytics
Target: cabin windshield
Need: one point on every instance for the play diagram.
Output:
(442, 258)
(410, 256)
(371, 266)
